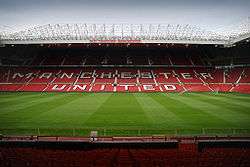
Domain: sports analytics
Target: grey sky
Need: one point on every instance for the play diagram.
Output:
(204, 13)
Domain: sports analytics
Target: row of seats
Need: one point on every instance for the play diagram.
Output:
(141, 59)
(125, 75)
(126, 88)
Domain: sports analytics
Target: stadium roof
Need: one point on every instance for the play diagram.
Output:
(126, 33)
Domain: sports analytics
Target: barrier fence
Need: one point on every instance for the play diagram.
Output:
(123, 132)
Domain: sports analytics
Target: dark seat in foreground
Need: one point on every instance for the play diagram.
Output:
(124, 153)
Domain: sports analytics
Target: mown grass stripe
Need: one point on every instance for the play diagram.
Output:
(84, 107)
(215, 108)
(20, 106)
(156, 112)
(119, 110)
(206, 114)
(198, 115)
(232, 107)
(244, 104)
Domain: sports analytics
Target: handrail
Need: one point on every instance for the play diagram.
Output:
(126, 131)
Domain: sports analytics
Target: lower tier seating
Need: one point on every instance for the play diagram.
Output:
(182, 79)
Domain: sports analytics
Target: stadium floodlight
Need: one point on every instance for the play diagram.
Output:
(125, 33)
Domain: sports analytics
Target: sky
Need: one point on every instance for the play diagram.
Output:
(207, 14)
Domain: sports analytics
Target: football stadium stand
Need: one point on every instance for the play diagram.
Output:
(121, 69)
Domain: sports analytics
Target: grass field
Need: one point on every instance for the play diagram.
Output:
(124, 113)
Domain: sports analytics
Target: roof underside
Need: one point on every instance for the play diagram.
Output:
(125, 33)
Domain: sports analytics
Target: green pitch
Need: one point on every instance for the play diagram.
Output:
(124, 114)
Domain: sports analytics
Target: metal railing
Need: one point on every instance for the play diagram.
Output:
(123, 132)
